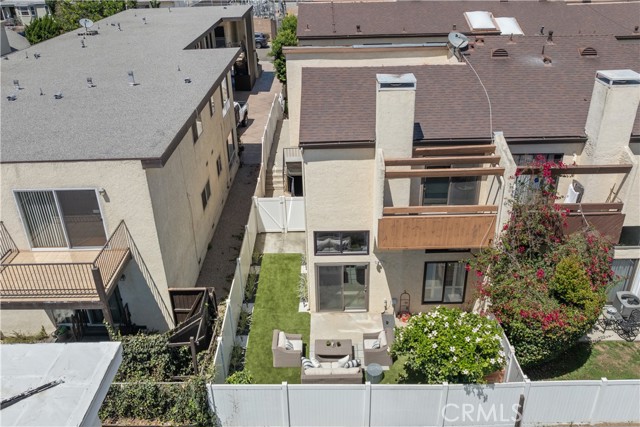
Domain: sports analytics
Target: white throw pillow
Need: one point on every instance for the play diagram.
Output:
(316, 363)
(282, 339)
(343, 361)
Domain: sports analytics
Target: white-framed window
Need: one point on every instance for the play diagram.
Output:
(199, 124)
(24, 10)
(206, 194)
(224, 89)
(341, 242)
(62, 218)
(444, 282)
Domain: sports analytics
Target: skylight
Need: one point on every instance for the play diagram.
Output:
(509, 26)
(480, 20)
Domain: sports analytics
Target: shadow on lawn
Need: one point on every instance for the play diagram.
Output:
(568, 362)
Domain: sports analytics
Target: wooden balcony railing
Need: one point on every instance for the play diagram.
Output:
(606, 218)
(24, 284)
(437, 227)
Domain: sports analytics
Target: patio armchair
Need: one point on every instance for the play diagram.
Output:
(629, 328)
(381, 354)
(284, 357)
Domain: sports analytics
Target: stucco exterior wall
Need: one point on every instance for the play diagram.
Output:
(349, 58)
(126, 197)
(184, 228)
(25, 321)
(370, 40)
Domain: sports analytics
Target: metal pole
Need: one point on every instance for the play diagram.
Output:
(194, 355)
(102, 294)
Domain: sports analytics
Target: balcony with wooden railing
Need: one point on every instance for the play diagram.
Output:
(61, 278)
(599, 209)
(446, 226)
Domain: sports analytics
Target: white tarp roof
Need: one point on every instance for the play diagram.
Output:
(86, 368)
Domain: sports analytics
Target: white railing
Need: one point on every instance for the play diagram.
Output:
(227, 337)
(540, 403)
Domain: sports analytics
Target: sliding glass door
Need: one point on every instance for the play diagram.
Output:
(62, 218)
(342, 287)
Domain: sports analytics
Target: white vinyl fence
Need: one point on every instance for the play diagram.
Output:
(280, 214)
(541, 403)
(227, 337)
(275, 114)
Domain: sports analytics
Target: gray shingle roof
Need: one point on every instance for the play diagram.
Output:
(112, 120)
(530, 100)
(410, 18)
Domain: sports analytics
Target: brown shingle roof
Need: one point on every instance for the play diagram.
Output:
(530, 100)
(410, 18)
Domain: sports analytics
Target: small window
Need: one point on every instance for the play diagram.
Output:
(206, 195)
(444, 282)
(231, 148)
(341, 242)
(212, 104)
(219, 165)
(199, 125)
(24, 11)
(226, 103)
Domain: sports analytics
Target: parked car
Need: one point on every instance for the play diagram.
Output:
(242, 113)
(262, 40)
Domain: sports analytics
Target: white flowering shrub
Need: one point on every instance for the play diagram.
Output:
(450, 345)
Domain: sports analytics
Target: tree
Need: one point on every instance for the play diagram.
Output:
(546, 288)
(285, 37)
(41, 29)
(69, 12)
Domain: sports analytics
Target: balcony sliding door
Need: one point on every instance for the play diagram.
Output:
(62, 218)
(42, 219)
(342, 287)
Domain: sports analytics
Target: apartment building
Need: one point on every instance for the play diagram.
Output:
(22, 12)
(118, 152)
(410, 151)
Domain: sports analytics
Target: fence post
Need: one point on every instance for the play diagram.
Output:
(224, 365)
(442, 408)
(367, 404)
(283, 202)
(242, 281)
(286, 421)
(102, 294)
(194, 355)
(522, 404)
(595, 408)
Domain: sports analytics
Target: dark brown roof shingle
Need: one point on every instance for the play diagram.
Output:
(411, 18)
(530, 100)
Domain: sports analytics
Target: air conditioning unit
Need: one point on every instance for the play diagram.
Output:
(574, 193)
(625, 302)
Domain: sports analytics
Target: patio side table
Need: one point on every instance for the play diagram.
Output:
(610, 317)
(374, 373)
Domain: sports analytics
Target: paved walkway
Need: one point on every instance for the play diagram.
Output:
(219, 264)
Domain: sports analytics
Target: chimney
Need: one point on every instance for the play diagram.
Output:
(612, 112)
(395, 111)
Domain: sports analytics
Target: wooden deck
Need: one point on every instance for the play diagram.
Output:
(56, 279)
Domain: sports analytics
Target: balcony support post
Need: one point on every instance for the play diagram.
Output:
(102, 293)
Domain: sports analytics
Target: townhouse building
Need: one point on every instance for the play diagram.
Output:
(118, 152)
(409, 147)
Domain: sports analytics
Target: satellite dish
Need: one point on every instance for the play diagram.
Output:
(86, 23)
(458, 40)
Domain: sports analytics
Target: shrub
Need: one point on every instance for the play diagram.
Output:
(546, 288)
(175, 403)
(240, 377)
(251, 287)
(303, 288)
(244, 323)
(450, 345)
(41, 29)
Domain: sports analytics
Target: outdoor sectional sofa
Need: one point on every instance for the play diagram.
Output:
(331, 373)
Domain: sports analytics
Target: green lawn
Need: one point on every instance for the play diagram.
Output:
(614, 360)
(392, 376)
(276, 307)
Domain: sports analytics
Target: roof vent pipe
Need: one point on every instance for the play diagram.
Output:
(550, 37)
(90, 82)
(542, 30)
(12, 97)
(16, 84)
(132, 80)
(58, 95)
(636, 28)
(82, 43)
